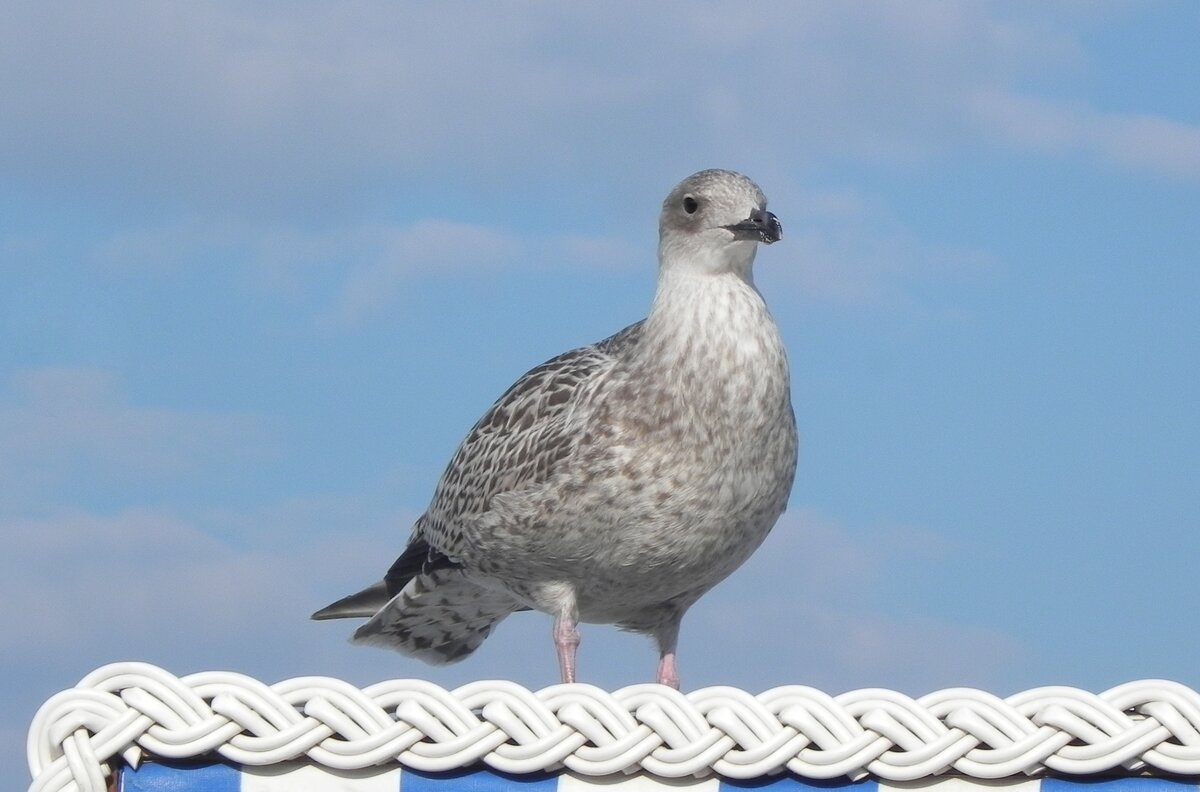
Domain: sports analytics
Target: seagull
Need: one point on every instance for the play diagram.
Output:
(618, 482)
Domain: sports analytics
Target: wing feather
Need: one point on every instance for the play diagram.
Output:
(522, 440)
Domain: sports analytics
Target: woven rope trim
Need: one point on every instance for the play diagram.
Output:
(126, 709)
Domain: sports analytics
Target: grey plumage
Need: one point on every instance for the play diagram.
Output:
(618, 482)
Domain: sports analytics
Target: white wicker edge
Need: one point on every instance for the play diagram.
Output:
(130, 709)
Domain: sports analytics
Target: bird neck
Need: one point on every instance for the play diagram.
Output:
(681, 255)
(710, 343)
(692, 307)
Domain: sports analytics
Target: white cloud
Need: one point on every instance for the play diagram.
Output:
(164, 250)
(439, 246)
(818, 603)
(1144, 143)
(366, 265)
(236, 589)
(59, 422)
(231, 105)
(427, 245)
(154, 583)
(221, 591)
(69, 579)
(324, 110)
(846, 249)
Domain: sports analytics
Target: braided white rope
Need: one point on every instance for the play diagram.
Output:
(128, 708)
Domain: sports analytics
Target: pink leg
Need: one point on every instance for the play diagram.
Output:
(667, 636)
(668, 674)
(566, 641)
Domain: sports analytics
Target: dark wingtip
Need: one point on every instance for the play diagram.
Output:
(364, 604)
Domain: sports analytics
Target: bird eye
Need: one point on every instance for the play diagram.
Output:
(689, 204)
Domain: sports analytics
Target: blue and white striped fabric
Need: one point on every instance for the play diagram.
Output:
(156, 777)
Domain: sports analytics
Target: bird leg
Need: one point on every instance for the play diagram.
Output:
(668, 674)
(667, 636)
(566, 641)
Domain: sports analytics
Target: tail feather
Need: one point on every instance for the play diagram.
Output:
(439, 617)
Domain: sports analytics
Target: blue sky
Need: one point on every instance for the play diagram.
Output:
(262, 265)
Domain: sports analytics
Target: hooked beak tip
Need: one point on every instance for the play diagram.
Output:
(761, 226)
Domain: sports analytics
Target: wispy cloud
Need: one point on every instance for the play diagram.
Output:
(439, 246)
(321, 110)
(348, 272)
(149, 580)
(226, 589)
(829, 615)
(222, 590)
(61, 422)
(426, 246)
(845, 249)
(159, 585)
(1143, 143)
(165, 250)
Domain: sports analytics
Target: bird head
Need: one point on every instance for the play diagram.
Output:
(713, 222)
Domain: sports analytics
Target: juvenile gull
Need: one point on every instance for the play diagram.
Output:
(618, 482)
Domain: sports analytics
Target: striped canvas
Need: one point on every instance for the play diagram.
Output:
(294, 777)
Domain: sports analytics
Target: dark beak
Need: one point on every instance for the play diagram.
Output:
(760, 226)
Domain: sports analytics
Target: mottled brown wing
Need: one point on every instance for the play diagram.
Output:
(520, 441)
